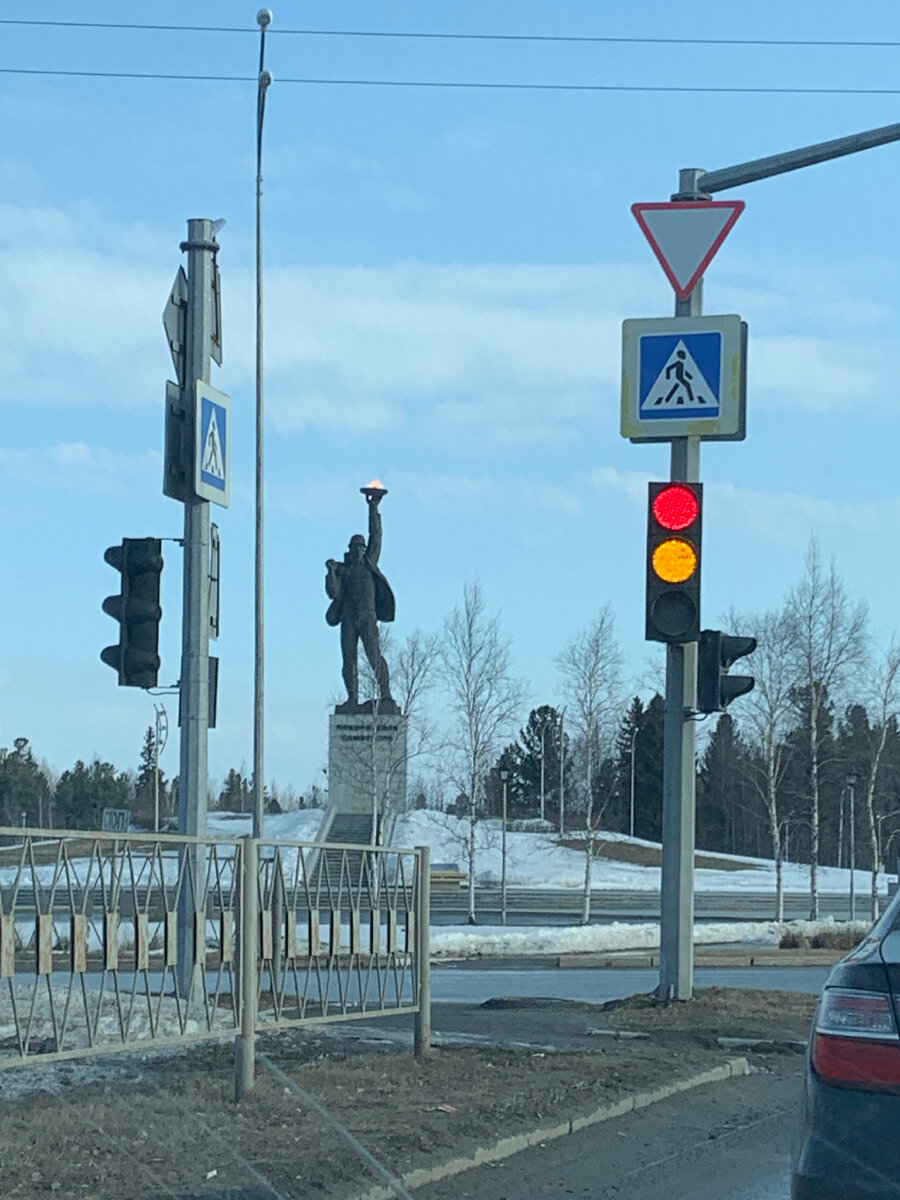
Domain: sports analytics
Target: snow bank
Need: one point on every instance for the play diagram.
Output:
(500, 941)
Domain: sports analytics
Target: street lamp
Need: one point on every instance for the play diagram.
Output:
(851, 784)
(504, 778)
(543, 757)
(634, 734)
(562, 759)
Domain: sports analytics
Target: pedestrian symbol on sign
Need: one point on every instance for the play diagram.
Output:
(680, 375)
(681, 391)
(213, 459)
(213, 444)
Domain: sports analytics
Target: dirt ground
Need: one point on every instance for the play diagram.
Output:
(166, 1124)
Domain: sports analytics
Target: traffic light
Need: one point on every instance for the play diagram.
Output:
(716, 652)
(674, 524)
(137, 610)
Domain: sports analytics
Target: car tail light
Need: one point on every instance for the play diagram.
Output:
(855, 1042)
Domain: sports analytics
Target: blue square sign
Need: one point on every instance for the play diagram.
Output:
(212, 476)
(683, 377)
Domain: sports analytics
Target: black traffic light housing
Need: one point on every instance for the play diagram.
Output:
(136, 608)
(674, 528)
(716, 652)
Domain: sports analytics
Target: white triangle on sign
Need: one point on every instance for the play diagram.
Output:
(213, 462)
(685, 235)
(680, 386)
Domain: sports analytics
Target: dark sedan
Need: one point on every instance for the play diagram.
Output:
(848, 1145)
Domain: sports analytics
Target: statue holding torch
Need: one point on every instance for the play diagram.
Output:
(360, 598)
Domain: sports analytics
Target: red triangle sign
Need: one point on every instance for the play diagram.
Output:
(685, 235)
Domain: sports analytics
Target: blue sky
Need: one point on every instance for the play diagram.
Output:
(447, 271)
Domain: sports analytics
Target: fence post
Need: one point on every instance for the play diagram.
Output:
(422, 1027)
(245, 1043)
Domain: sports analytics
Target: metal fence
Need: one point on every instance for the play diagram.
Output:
(112, 942)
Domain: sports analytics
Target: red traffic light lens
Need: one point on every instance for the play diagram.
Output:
(676, 507)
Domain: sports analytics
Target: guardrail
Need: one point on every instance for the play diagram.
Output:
(118, 941)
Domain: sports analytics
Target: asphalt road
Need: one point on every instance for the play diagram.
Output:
(727, 1141)
(465, 985)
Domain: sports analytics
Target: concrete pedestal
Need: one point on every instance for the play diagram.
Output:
(367, 760)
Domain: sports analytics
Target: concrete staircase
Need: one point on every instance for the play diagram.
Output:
(353, 829)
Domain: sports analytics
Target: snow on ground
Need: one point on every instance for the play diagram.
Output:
(497, 941)
(537, 860)
(534, 860)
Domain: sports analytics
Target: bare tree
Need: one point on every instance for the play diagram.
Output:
(886, 701)
(590, 666)
(827, 646)
(767, 714)
(484, 700)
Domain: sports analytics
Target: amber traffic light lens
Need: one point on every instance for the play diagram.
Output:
(674, 560)
(675, 508)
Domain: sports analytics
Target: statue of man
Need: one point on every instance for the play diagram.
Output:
(360, 598)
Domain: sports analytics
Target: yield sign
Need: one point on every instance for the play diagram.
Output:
(685, 235)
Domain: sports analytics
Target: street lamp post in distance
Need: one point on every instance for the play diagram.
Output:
(851, 784)
(504, 779)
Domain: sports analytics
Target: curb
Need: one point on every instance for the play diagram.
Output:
(508, 1146)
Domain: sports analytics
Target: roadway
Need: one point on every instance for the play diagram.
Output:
(564, 905)
(727, 1141)
(463, 985)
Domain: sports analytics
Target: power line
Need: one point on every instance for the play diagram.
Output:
(484, 85)
(462, 37)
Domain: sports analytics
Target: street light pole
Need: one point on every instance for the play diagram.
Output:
(851, 784)
(543, 757)
(562, 759)
(634, 734)
(504, 776)
(263, 18)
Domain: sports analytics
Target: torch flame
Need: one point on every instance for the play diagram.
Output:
(376, 483)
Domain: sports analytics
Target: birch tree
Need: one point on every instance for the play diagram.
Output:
(827, 646)
(484, 700)
(590, 667)
(886, 702)
(767, 714)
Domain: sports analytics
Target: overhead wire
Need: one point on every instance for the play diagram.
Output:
(587, 39)
(485, 85)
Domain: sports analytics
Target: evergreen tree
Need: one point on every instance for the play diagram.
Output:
(236, 793)
(731, 816)
(24, 787)
(540, 742)
(84, 791)
(144, 805)
(648, 771)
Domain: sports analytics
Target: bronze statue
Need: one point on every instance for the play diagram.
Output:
(360, 598)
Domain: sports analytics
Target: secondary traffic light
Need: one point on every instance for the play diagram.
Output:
(137, 610)
(674, 524)
(716, 652)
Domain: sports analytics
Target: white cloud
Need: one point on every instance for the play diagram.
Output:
(511, 354)
(79, 466)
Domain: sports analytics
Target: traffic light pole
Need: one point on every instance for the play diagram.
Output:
(676, 965)
(676, 958)
(193, 771)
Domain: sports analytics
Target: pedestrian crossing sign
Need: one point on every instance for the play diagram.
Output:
(213, 445)
(683, 377)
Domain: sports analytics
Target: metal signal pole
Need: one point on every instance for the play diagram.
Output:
(677, 900)
(676, 948)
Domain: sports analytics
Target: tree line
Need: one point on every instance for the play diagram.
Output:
(808, 758)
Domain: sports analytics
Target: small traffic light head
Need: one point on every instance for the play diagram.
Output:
(716, 652)
(673, 562)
